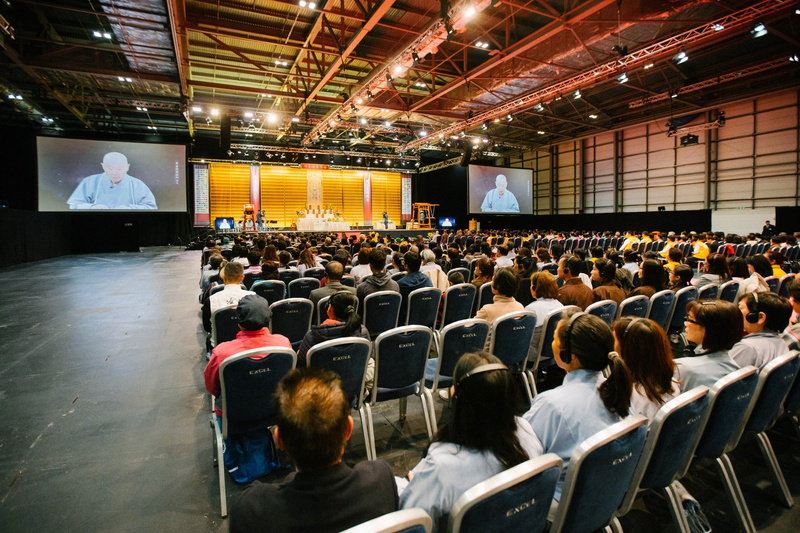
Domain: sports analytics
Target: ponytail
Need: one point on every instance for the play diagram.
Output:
(344, 304)
(352, 324)
(617, 389)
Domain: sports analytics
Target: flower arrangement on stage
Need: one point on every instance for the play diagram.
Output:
(300, 213)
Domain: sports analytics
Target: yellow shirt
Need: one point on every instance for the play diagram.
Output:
(701, 250)
(669, 265)
(646, 239)
(665, 251)
(777, 271)
(629, 241)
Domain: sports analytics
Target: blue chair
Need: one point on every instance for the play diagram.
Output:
(485, 295)
(398, 275)
(552, 268)
(599, 472)
(682, 299)
(271, 290)
(404, 521)
(544, 352)
(347, 357)
(511, 341)
(730, 399)
(400, 358)
(774, 383)
(288, 276)
(783, 285)
(250, 278)
(708, 292)
(302, 287)
(471, 268)
(633, 306)
(247, 388)
(422, 307)
(348, 281)
(381, 311)
(458, 301)
(517, 499)
(454, 341)
(605, 309)
(291, 318)
(773, 283)
(660, 309)
(671, 439)
(729, 291)
(464, 272)
(224, 325)
(317, 273)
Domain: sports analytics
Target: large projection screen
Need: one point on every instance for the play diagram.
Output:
(500, 190)
(82, 175)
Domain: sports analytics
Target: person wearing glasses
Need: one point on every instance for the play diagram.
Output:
(715, 326)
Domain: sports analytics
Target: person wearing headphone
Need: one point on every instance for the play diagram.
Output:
(765, 315)
(645, 348)
(482, 438)
(586, 402)
(715, 326)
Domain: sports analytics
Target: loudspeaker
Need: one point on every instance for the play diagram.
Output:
(662, 208)
(225, 133)
(467, 155)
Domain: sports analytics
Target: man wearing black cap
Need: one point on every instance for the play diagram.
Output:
(253, 316)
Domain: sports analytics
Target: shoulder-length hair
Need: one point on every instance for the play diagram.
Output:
(644, 347)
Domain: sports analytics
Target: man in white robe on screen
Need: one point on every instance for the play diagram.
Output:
(500, 199)
(113, 189)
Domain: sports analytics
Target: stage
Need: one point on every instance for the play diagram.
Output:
(356, 230)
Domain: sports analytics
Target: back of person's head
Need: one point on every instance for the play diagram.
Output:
(794, 289)
(253, 312)
(216, 261)
(486, 248)
(233, 272)
(777, 311)
(572, 264)
(630, 256)
(502, 250)
(717, 264)
(377, 259)
(334, 270)
(607, 271)
(543, 255)
(505, 281)
(363, 255)
(544, 285)
(675, 254)
(313, 417)
(760, 265)
(253, 258)
(738, 267)
(645, 348)
(284, 257)
(596, 251)
(684, 273)
(589, 338)
(653, 274)
(525, 265)
(412, 261)
(722, 321)
(484, 393)
(775, 257)
(486, 267)
(428, 255)
(343, 304)
(613, 256)
(557, 251)
(455, 278)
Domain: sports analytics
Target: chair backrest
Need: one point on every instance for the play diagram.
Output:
(455, 340)
(287, 276)
(404, 521)
(464, 272)
(728, 291)
(347, 357)
(671, 439)
(783, 284)
(224, 325)
(348, 281)
(315, 272)
(605, 309)
(545, 348)
(322, 309)
(774, 382)
(773, 283)
(302, 287)
(708, 292)
(248, 385)
(400, 357)
(215, 289)
(422, 307)
(682, 299)
(511, 338)
(458, 301)
(398, 275)
(730, 399)
(517, 499)
(634, 306)
(381, 311)
(250, 278)
(485, 295)
(291, 318)
(271, 290)
(552, 268)
(661, 305)
(600, 470)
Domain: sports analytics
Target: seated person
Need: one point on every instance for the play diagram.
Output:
(254, 263)
(379, 280)
(715, 270)
(342, 321)
(504, 287)
(334, 271)
(776, 261)
(605, 273)
(765, 316)
(675, 256)
(324, 495)
(574, 291)
(654, 279)
(791, 334)
(215, 263)
(460, 457)
(413, 280)
(715, 326)
(232, 275)
(680, 277)
(544, 290)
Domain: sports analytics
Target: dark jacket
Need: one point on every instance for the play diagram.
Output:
(323, 333)
(376, 283)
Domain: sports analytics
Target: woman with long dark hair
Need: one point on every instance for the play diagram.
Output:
(653, 276)
(483, 438)
(342, 321)
(605, 273)
(715, 270)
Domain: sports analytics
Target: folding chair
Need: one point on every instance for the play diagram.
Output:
(302, 287)
(671, 439)
(773, 283)
(288, 276)
(464, 272)
(599, 472)
(633, 306)
(660, 309)
(708, 292)
(381, 311)
(544, 352)
(458, 301)
(517, 499)
(783, 285)
(511, 341)
(485, 295)
(291, 318)
(682, 299)
(729, 291)
(317, 273)
(404, 521)
(348, 281)
(348, 358)
(247, 387)
(271, 290)
(224, 325)
(250, 278)
(422, 307)
(400, 357)
(454, 341)
(605, 309)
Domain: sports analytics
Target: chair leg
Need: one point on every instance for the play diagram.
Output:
(734, 492)
(772, 461)
(527, 385)
(428, 412)
(614, 526)
(223, 496)
(369, 430)
(676, 509)
(532, 381)
(366, 429)
(403, 406)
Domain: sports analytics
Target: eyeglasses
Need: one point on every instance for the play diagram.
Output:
(693, 321)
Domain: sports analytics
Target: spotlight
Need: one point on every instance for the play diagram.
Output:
(469, 12)
(415, 57)
(295, 119)
(592, 116)
(388, 162)
(718, 27)
(339, 117)
(484, 126)
(649, 66)
(539, 107)
(283, 156)
(540, 132)
(794, 58)
(363, 120)
(388, 78)
(686, 140)
(449, 27)
(620, 49)
(387, 124)
(353, 108)
(509, 118)
(759, 30)
(359, 100)
(197, 109)
(248, 114)
(681, 57)
(369, 95)
(623, 78)
(97, 34)
(214, 112)
(423, 133)
(577, 94)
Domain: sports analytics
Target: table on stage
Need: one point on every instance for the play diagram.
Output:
(318, 224)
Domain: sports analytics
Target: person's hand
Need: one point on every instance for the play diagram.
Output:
(99, 206)
(410, 476)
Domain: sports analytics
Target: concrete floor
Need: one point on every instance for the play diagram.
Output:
(107, 418)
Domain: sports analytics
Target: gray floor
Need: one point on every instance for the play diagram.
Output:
(107, 418)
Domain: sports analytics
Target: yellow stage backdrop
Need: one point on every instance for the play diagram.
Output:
(283, 192)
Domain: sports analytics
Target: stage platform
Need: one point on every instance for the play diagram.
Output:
(359, 230)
